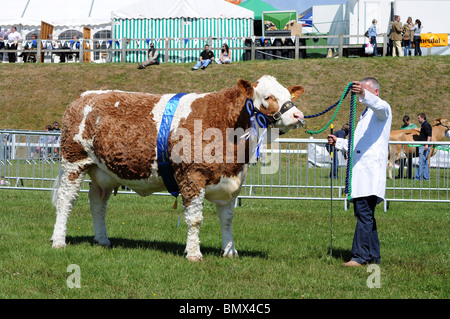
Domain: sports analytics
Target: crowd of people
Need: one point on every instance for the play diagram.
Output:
(48, 144)
(402, 37)
(10, 39)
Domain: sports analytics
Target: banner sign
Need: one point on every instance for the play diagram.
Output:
(429, 40)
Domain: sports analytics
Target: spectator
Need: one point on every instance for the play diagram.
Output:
(370, 155)
(397, 37)
(13, 40)
(75, 46)
(152, 57)
(206, 57)
(424, 150)
(56, 139)
(373, 36)
(30, 56)
(407, 125)
(417, 28)
(225, 55)
(407, 36)
(2, 44)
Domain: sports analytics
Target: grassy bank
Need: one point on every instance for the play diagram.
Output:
(34, 95)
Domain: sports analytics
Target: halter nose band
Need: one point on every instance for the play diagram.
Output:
(284, 108)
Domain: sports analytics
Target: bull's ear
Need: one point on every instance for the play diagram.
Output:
(437, 121)
(296, 91)
(246, 87)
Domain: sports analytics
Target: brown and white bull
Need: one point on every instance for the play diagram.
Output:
(402, 151)
(112, 136)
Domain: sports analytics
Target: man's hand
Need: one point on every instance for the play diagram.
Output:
(332, 139)
(358, 88)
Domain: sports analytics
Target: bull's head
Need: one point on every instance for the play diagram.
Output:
(444, 122)
(275, 102)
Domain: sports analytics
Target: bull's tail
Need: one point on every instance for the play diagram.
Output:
(55, 187)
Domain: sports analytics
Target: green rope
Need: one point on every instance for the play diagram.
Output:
(335, 113)
(350, 151)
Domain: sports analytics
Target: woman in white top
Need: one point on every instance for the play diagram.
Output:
(225, 55)
(417, 28)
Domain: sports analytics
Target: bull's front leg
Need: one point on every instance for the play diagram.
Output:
(194, 218)
(226, 213)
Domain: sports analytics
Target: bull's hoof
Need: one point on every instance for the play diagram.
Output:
(58, 245)
(195, 258)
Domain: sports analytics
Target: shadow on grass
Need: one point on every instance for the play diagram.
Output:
(164, 246)
(340, 254)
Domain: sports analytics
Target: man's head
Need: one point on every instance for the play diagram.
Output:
(152, 45)
(421, 117)
(371, 85)
(406, 120)
(207, 47)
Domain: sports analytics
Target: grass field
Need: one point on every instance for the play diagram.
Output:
(283, 251)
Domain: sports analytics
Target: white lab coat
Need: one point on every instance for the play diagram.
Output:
(371, 141)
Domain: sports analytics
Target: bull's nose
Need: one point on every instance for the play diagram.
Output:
(299, 116)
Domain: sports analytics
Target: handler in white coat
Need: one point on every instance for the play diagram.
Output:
(370, 156)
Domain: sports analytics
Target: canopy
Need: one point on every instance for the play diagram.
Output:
(182, 9)
(57, 13)
(257, 6)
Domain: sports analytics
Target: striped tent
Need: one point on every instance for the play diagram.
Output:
(185, 25)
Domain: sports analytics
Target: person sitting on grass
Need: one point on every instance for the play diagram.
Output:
(206, 57)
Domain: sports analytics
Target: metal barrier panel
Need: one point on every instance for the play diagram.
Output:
(292, 169)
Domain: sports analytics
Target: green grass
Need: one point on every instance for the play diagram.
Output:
(283, 247)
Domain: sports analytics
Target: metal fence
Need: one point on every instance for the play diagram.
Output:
(291, 169)
(257, 47)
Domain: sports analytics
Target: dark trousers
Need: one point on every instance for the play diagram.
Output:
(366, 246)
(12, 55)
(417, 50)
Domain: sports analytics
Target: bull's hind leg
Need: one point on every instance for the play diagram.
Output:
(99, 193)
(66, 198)
(194, 218)
(226, 213)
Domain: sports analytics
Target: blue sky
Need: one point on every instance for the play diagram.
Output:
(300, 5)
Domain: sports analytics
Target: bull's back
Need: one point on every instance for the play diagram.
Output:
(113, 128)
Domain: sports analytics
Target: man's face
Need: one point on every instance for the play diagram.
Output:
(207, 48)
(367, 87)
(420, 119)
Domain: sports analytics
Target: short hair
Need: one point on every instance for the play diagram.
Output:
(405, 118)
(422, 115)
(374, 20)
(373, 82)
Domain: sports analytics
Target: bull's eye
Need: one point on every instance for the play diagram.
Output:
(267, 98)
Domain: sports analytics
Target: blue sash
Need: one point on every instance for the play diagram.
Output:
(164, 166)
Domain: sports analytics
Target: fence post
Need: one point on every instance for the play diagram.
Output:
(341, 45)
(253, 51)
(296, 57)
(123, 58)
(81, 54)
(385, 43)
(38, 52)
(166, 50)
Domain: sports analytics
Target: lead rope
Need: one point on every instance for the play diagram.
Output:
(348, 177)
